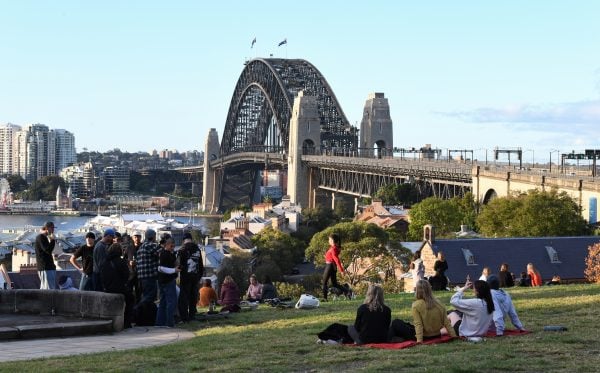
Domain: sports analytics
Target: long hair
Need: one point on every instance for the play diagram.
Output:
(482, 290)
(423, 291)
(374, 298)
(336, 239)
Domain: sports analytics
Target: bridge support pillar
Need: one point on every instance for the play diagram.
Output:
(210, 192)
(333, 200)
(376, 129)
(304, 136)
(355, 205)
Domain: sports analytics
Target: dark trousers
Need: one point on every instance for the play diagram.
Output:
(188, 296)
(330, 273)
(149, 288)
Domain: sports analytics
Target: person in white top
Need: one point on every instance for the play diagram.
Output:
(485, 273)
(503, 306)
(475, 314)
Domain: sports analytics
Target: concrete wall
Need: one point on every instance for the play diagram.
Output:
(80, 304)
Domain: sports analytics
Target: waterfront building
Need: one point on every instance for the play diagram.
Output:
(116, 180)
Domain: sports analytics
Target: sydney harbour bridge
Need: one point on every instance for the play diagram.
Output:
(284, 115)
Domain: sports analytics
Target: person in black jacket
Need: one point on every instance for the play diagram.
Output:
(372, 319)
(505, 277)
(44, 246)
(115, 273)
(190, 262)
(167, 274)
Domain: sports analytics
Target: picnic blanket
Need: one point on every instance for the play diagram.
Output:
(442, 339)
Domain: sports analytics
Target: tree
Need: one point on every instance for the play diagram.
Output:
(359, 240)
(398, 194)
(592, 263)
(534, 214)
(445, 215)
(45, 188)
(275, 247)
(17, 183)
(319, 217)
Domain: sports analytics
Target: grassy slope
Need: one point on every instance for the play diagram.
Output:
(284, 340)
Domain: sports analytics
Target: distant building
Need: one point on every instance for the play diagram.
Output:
(65, 149)
(116, 180)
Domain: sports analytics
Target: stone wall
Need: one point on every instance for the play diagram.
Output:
(80, 304)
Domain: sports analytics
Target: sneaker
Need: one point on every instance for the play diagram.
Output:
(475, 339)
(320, 341)
(332, 342)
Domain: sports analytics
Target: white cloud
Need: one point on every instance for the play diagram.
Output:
(582, 112)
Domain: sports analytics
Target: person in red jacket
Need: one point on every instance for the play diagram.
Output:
(534, 275)
(332, 264)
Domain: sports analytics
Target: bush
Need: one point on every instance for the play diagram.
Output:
(390, 286)
(592, 263)
(312, 283)
(286, 290)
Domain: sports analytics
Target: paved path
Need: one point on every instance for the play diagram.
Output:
(128, 339)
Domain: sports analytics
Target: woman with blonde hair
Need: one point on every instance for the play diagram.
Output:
(429, 317)
(230, 295)
(372, 318)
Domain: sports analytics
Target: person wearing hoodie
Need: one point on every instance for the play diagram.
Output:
(190, 260)
(115, 274)
(503, 306)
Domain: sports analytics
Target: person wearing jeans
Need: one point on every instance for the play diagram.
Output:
(167, 275)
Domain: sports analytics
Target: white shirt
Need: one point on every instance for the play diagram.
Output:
(476, 320)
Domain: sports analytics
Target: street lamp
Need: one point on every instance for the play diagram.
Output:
(532, 157)
(553, 151)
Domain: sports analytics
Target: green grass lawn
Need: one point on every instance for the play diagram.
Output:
(275, 340)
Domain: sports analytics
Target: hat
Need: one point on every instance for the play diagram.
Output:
(117, 234)
(150, 233)
(90, 235)
(137, 233)
(49, 224)
(493, 281)
(109, 232)
(187, 236)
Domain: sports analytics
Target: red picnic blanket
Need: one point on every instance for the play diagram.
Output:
(442, 339)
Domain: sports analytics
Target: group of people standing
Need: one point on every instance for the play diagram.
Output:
(138, 270)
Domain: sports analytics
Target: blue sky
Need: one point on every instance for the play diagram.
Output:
(143, 75)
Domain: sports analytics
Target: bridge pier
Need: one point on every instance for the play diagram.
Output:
(210, 201)
(305, 136)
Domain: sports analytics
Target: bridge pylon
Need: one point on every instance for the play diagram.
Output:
(304, 138)
(376, 128)
(210, 188)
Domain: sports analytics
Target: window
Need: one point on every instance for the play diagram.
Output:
(469, 257)
(552, 254)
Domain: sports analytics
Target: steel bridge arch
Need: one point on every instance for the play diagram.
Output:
(261, 107)
(258, 120)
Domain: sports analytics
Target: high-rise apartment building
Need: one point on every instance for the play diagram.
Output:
(6, 148)
(65, 149)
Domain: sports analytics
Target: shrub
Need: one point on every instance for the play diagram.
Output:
(286, 290)
(592, 263)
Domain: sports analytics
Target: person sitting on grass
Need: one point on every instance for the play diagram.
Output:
(254, 293)
(503, 306)
(269, 291)
(208, 295)
(472, 317)
(429, 317)
(372, 318)
(230, 295)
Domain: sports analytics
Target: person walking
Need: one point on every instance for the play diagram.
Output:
(332, 261)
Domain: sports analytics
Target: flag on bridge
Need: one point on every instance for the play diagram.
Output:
(253, 42)
(282, 43)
